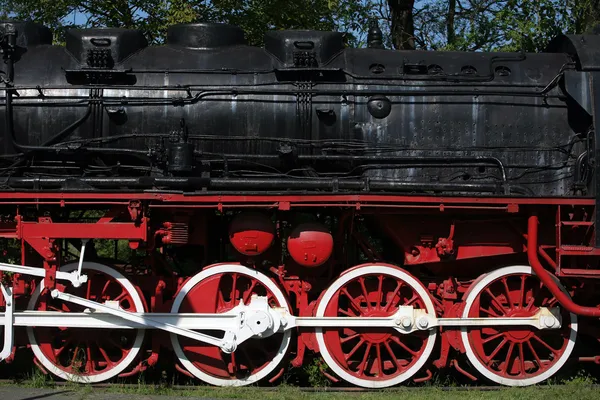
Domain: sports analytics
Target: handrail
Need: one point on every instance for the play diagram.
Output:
(547, 279)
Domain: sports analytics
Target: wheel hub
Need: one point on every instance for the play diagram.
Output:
(375, 336)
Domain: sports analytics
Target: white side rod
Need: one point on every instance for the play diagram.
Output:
(7, 293)
(139, 319)
(41, 272)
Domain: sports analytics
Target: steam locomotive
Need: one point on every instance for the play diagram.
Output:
(389, 212)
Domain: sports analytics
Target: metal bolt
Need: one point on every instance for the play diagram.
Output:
(548, 321)
(406, 322)
(397, 321)
(423, 322)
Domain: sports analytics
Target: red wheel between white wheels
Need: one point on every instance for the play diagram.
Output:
(374, 357)
(218, 289)
(515, 356)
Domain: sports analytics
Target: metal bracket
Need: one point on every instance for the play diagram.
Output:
(81, 279)
(7, 322)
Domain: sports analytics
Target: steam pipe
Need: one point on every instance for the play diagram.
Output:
(547, 279)
(253, 183)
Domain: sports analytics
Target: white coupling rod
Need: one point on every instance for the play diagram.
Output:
(41, 272)
(129, 316)
(7, 347)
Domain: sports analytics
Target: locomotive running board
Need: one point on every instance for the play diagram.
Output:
(257, 319)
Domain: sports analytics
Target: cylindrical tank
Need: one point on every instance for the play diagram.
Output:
(251, 234)
(310, 244)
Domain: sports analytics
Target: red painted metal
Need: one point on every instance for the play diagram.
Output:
(251, 233)
(227, 290)
(377, 354)
(546, 278)
(310, 244)
(293, 200)
(65, 230)
(86, 352)
(515, 352)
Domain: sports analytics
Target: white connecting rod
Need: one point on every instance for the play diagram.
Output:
(137, 318)
(72, 277)
(256, 319)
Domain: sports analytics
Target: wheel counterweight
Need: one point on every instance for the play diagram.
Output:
(515, 356)
(87, 355)
(218, 289)
(371, 357)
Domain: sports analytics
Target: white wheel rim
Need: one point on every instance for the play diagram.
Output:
(347, 277)
(115, 370)
(269, 284)
(474, 291)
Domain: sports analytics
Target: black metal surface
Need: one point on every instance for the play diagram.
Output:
(304, 109)
(595, 84)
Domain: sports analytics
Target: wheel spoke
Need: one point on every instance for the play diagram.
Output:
(535, 354)
(546, 345)
(354, 349)
(404, 346)
(349, 338)
(105, 355)
(363, 364)
(522, 299)
(379, 360)
(394, 294)
(58, 352)
(233, 287)
(412, 300)
(357, 306)
(361, 280)
(522, 358)
(498, 348)
(249, 291)
(380, 293)
(508, 299)
(394, 358)
(347, 313)
(489, 311)
(507, 359)
(493, 337)
(496, 302)
(89, 363)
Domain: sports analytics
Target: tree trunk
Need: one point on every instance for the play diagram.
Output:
(403, 27)
(450, 23)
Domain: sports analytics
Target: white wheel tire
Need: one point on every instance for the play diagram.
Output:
(472, 294)
(269, 284)
(114, 371)
(347, 277)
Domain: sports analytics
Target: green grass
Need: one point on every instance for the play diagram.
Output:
(579, 391)
(581, 385)
(581, 388)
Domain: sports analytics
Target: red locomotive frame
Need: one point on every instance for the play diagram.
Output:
(453, 231)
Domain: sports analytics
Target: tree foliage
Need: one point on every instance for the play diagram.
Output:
(482, 25)
(155, 16)
(476, 25)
